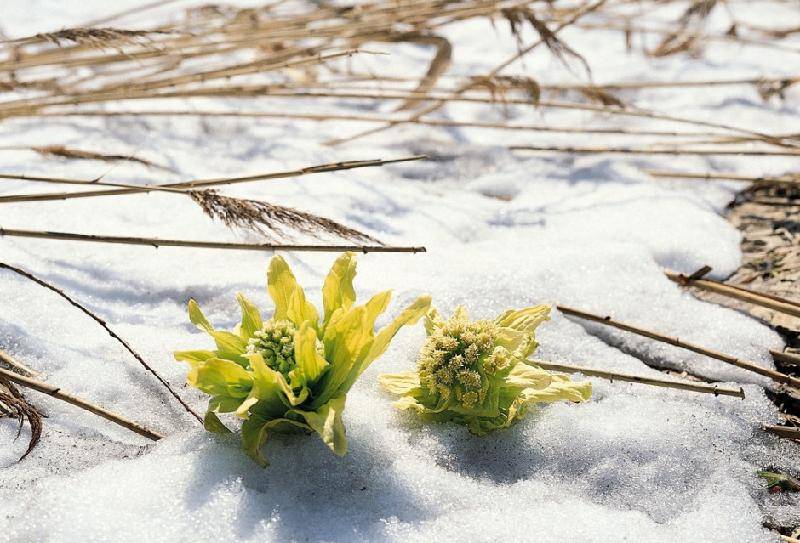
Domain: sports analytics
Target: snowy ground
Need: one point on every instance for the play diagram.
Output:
(636, 463)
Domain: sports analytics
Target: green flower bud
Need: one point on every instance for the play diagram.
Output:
(476, 372)
(275, 343)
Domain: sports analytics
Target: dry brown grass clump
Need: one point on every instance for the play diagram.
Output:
(14, 405)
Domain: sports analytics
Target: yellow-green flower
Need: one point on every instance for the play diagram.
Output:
(476, 372)
(292, 372)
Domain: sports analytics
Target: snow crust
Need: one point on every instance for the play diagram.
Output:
(634, 464)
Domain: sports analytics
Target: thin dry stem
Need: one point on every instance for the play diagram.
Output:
(739, 293)
(738, 362)
(614, 376)
(157, 242)
(104, 325)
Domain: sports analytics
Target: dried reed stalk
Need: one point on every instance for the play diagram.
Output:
(789, 432)
(19, 367)
(104, 325)
(267, 219)
(333, 117)
(608, 86)
(653, 151)
(150, 89)
(59, 394)
(786, 358)
(738, 362)
(613, 376)
(739, 293)
(196, 184)
(156, 242)
(268, 91)
(790, 179)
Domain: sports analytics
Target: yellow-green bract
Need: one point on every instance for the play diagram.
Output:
(475, 372)
(293, 371)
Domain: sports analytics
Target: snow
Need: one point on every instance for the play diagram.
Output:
(636, 463)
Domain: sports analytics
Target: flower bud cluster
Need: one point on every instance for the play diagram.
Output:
(275, 343)
(459, 360)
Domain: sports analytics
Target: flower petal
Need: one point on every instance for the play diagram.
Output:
(408, 402)
(399, 383)
(301, 310)
(327, 422)
(337, 291)
(525, 321)
(251, 317)
(514, 340)
(566, 389)
(212, 423)
(219, 377)
(288, 295)
(410, 315)
(193, 357)
(524, 376)
(344, 339)
(256, 430)
(433, 321)
(460, 313)
(229, 345)
(271, 388)
(311, 364)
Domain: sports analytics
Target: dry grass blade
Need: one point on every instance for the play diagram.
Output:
(673, 45)
(196, 184)
(98, 38)
(13, 404)
(602, 96)
(516, 17)
(686, 38)
(438, 66)
(268, 219)
(80, 154)
(499, 85)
